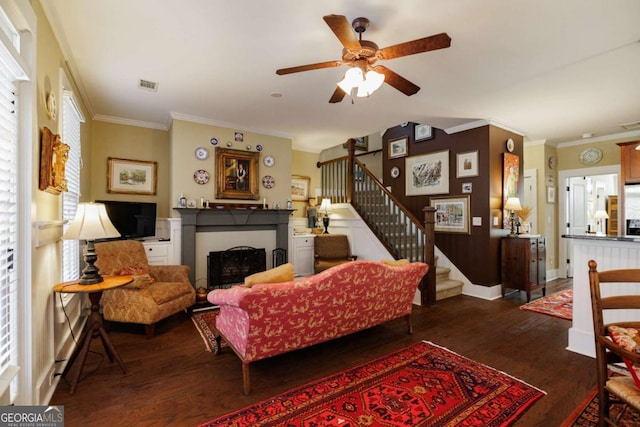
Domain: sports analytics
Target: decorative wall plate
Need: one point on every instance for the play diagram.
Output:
(202, 153)
(590, 156)
(395, 172)
(269, 161)
(214, 141)
(201, 176)
(268, 181)
(511, 145)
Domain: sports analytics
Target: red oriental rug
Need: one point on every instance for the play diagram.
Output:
(421, 385)
(559, 305)
(586, 414)
(205, 323)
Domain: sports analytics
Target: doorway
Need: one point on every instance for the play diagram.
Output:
(581, 193)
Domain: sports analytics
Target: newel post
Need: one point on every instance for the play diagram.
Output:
(428, 284)
(351, 147)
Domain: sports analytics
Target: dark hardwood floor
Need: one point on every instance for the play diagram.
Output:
(173, 381)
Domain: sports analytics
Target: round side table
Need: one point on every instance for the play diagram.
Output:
(94, 326)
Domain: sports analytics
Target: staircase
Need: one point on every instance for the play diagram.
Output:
(446, 287)
(347, 180)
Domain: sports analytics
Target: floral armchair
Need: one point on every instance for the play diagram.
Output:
(157, 291)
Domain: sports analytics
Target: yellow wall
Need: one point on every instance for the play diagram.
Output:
(186, 137)
(304, 164)
(134, 143)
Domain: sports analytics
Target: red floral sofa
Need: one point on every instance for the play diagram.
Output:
(269, 319)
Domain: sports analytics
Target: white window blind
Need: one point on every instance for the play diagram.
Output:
(71, 119)
(8, 224)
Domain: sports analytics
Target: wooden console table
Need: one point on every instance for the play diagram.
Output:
(93, 328)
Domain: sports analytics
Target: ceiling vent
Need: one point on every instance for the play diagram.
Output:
(148, 85)
(631, 125)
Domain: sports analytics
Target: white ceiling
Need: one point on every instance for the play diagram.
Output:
(548, 69)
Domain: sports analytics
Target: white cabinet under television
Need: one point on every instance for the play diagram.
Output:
(165, 247)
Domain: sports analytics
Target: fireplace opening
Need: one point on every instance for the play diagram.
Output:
(230, 267)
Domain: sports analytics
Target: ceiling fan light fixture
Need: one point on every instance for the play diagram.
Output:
(371, 82)
(352, 78)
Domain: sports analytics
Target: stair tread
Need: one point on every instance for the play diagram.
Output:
(448, 284)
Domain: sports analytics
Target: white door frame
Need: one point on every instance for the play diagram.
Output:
(562, 206)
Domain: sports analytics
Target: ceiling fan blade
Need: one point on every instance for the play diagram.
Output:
(337, 96)
(397, 81)
(342, 29)
(438, 41)
(309, 67)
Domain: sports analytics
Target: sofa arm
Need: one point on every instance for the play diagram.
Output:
(230, 296)
(170, 273)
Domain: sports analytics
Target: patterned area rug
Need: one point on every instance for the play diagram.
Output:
(421, 385)
(586, 414)
(205, 322)
(559, 305)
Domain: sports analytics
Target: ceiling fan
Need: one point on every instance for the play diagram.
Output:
(361, 55)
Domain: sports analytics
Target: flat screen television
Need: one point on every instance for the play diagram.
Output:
(133, 220)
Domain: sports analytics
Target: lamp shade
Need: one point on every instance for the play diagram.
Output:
(513, 204)
(372, 82)
(325, 205)
(90, 223)
(352, 78)
(601, 214)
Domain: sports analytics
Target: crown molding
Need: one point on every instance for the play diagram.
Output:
(129, 122)
(219, 123)
(482, 122)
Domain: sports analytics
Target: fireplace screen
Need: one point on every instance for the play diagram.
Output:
(230, 267)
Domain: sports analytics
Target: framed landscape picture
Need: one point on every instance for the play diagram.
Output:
(427, 174)
(398, 148)
(127, 176)
(300, 188)
(452, 214)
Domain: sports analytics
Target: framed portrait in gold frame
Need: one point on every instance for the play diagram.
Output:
(237, 174)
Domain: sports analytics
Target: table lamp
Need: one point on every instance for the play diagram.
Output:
(90, 223)
(600, 216)
(513, 205)
(325, 207)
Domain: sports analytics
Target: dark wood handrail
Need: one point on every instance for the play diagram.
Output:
(390, 194)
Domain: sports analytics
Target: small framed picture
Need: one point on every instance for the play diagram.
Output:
(238, 137)
(467, 164)
(300, 187)
(551, 194)
(398, 148)
(467, 188)
(422, 132)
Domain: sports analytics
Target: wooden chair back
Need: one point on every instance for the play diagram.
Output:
(606, 297)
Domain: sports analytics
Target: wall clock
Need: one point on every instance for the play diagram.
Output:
(202, 153)
(511, 145)
(268, 181)
(269, 161)
(201, 176)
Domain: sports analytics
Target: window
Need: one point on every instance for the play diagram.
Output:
(71, 119)
(8, 223)
(17, 58)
